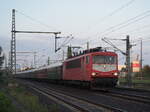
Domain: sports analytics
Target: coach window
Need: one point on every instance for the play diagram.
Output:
(87, 59)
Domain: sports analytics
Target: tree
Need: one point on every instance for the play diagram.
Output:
(146, 70)
(1, 58)
(69, 52)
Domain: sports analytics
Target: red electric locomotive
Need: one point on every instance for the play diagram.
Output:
(96, 67)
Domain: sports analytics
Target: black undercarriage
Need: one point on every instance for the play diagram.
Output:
(104, 82)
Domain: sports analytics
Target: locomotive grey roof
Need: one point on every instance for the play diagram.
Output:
(97, 49)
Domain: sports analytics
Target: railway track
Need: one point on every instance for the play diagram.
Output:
(127, 94)
(135, 98)
(72, 102)
(132, 95)
(88, 101)
(132, 89)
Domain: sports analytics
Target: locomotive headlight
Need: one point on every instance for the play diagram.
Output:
(115, 73)
(93, 74)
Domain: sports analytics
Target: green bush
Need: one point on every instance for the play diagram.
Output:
(28, 100)
(5, 104)
(145, 72)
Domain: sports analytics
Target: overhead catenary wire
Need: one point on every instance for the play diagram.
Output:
(138, 30)
(110, 43)
(67, 42)
(118, 9)
(144, 38)
(35, 20)
(127, 22)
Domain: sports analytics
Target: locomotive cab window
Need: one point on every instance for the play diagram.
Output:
(100, 59)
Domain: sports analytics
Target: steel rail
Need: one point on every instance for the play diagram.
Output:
(132, 89)
(63, 102)
(136, 98)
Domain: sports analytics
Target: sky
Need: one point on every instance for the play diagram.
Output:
(84, 20)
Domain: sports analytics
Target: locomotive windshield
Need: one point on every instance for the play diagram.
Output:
(101, 59)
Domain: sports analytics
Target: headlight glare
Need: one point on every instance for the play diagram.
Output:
(93, 74)
(115, 73)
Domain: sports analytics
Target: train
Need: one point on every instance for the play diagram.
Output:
(93, 68)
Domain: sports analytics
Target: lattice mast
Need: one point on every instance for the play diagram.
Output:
(13, 45)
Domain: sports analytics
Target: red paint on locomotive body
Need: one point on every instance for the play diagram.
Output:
(90, 66)
(79, 72)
